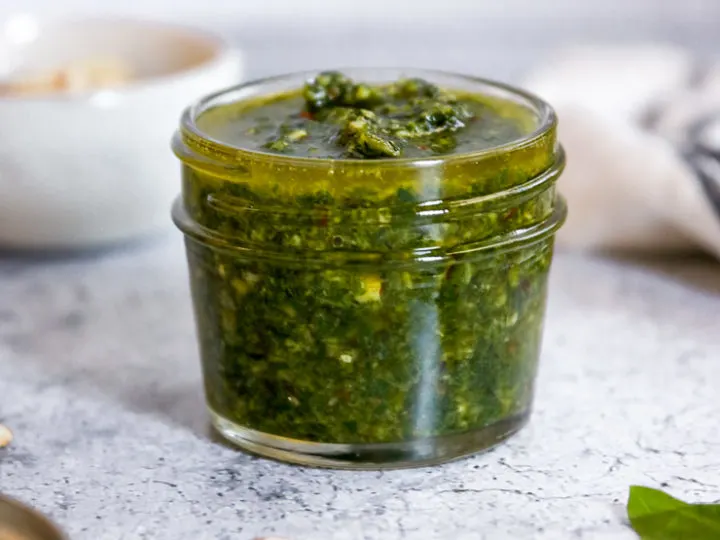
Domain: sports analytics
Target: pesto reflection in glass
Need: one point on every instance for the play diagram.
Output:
(368, 259)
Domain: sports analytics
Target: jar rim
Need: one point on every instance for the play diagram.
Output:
(190, 131)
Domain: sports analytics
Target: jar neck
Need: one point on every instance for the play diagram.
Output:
(344, 182)
(397, 229)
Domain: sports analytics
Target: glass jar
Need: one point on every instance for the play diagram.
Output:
(369, 313)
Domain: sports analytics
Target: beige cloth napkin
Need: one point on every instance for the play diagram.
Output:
(641, 127)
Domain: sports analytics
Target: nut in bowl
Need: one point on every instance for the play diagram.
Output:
(86, 107)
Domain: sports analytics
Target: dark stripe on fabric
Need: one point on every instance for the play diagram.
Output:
(703, 155)
(707, 170)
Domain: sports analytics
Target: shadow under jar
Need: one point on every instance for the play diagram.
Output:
(369, 313)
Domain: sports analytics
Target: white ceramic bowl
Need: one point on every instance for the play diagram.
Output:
(95, 168)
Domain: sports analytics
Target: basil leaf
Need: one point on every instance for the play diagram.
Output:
(655, 515)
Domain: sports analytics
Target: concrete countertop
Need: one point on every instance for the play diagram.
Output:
(100, 383)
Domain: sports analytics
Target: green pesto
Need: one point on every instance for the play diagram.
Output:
(357, 305)
(334, 117)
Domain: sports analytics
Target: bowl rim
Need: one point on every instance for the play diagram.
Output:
(223, 52)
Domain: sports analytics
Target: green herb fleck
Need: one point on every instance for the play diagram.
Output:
(377, 122)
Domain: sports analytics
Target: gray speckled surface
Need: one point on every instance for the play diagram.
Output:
(99, 381)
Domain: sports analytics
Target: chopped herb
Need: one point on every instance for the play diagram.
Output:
(374, 122)
(332, 89)
(347, 119)
(281, 143)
